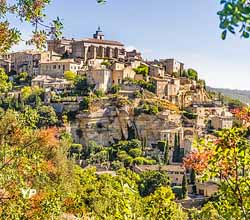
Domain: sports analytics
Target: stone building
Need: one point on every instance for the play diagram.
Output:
(60, 46)
(29, 60)
(175, 172)
(93, 48)
(133, 55)
(118, 75)
(97, 47)
(47, 82)
(172, 66)
(101, 78)
(5, 64)
(224, 121)
(156, 70)
(168, 88)
(57, 68)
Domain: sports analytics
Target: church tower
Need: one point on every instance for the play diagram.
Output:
(99, 34)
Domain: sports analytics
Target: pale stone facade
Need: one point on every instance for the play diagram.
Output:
(224, 121)
(47, 82)
(28, 61)
(119, 75)
(101, 78)
(60, 46)
(207, 189)
(175, 172)
(97, 47)
(172, 66)
(57, 69)
(156, 70)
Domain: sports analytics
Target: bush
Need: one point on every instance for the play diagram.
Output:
(84, 104)
(99, 93)
(115, 89)
(136, 152)
(147, 108)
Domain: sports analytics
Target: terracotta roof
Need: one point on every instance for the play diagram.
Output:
(97, 41)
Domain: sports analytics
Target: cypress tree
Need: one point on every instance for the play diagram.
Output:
(177, 150)
(184, 187)
(166, 153)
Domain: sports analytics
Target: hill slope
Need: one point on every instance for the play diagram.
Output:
(242, 95)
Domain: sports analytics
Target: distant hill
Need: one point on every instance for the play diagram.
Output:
(242, 95)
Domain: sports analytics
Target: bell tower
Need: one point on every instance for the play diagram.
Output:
(99, 34)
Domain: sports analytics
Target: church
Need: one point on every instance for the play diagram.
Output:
(89, 48)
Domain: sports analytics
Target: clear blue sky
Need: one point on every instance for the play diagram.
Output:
(184, 29)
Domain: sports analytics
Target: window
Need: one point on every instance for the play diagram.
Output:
(54, 67)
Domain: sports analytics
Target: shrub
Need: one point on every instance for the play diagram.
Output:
(84, 104)
(115, 89)
(99, 93)
(136, 152)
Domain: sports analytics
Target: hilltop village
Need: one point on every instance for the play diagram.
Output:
(107, 96)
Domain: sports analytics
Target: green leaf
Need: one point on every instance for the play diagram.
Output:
(245, 34)
(224, 35)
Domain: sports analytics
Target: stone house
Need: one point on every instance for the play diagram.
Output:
(207, 189)
(57, 68)
(5, 64)
(224, 121)
(101, 78)
(118, 75)
(156, 70)
(172, 66)
(29, 60)
(47, 82)
(175, 172)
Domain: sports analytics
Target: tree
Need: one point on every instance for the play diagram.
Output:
(184, 187)
(5, 85)
(192, 74)
(28, 159)
(160, 205)
(21, 78)
(47, 116)
(193, 181)
(235, 16)
(70, 75)
(166, 153)
(228, 160)
(29, 11)
(151, 180)
(142, 69)
(177, 149)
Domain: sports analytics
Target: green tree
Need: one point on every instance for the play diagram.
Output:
(5, 85)
(151, 180)
(161, 205)
(192, 74)
(184, 187)
(177, 149)
(47, 116)
(166, 153)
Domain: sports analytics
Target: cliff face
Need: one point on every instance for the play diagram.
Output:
(108, 123)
